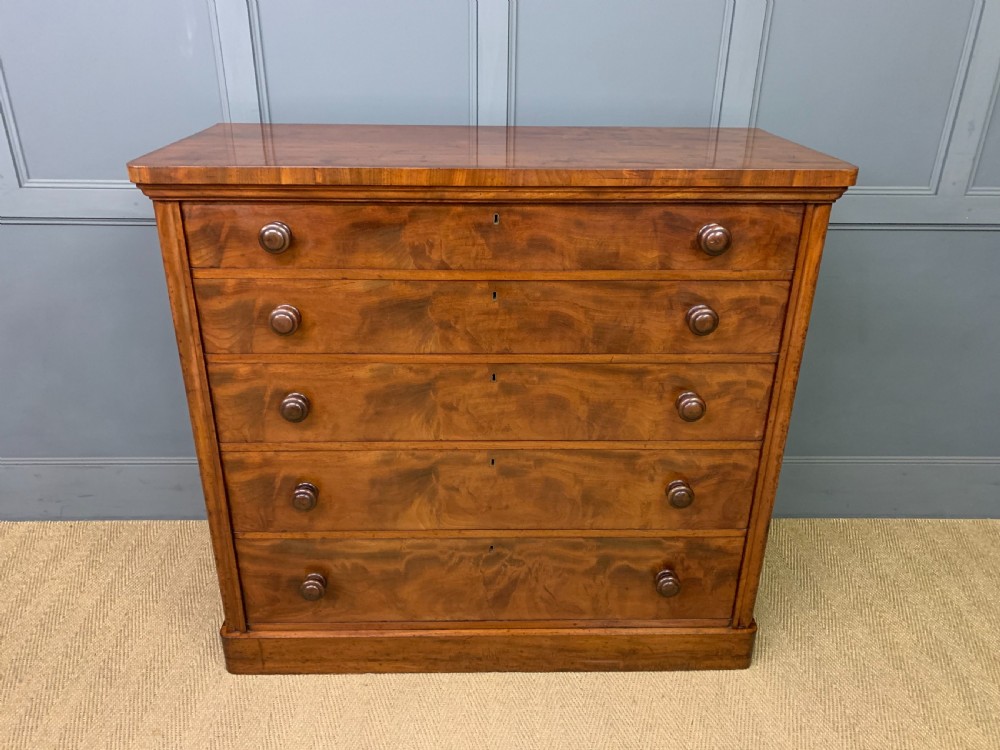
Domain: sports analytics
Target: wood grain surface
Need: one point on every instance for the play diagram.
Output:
(779, 417)
(388, 401)
(492, 342)
(501, 578)
(495, 650)
(500, 237)
(373, 155)
(589, 317)
(489, 489)
(192, 359)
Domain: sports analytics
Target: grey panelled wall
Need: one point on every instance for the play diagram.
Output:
(899, 400)
(319, 60)
(79, 103)
(987, 175)
(90, 359)
(573, 67)
(875, 110)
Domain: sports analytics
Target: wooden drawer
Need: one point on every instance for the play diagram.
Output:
(373, 401)
(503, 237)
(489, 489)
(487, 578)
(463, 317)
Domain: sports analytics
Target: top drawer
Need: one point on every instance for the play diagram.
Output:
(553, 237)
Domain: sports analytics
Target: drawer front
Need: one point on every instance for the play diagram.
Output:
(389, 490)
(386, 401)
(406, 579)
(463, 317)
(554, 237)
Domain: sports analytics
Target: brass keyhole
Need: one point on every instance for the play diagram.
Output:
(496, 218)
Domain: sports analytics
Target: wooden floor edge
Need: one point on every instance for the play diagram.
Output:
(472, 650)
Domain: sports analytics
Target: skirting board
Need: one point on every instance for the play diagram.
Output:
(815, 487)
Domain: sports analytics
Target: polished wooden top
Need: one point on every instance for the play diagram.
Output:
(430, 155)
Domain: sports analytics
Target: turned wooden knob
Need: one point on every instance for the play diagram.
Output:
(714, 239)
(702, 320)
(294, 407)
(667, 583)
(313, 587)
(275, 237)
(680, 494)
(690, 406)
(285, 319)
(305, 496)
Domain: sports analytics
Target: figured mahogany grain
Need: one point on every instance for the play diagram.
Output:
(495, 650)
(547, 413)
(490, 317)
(439, 625)
(501, 578)
(501, 237)
(419, 445)
(388, 401)
(429, 155)
(489, 489)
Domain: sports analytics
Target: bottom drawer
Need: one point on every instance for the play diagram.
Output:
(486, 578)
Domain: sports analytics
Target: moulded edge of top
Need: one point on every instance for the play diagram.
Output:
(488, 157)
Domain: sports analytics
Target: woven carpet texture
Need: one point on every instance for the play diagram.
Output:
(874, 634)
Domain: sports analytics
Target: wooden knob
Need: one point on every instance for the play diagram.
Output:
(305, 496)
(701, 319)
(313, 587)
(275, 237)
(667, 583)
(680, 494)
(285, 319)
(690, 406)
(294, 407)
(714, 239)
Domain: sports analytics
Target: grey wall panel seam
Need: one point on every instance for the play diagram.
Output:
(122, 221)
(10, 125)
(896, 460)
(938, 227)
(758, 84)
(100, 461)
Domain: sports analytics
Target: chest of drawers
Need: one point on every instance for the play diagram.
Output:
(489, 398)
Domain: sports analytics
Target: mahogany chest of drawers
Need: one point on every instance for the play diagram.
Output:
(489, 398)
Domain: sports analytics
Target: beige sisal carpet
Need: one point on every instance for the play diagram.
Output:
(874, 634)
